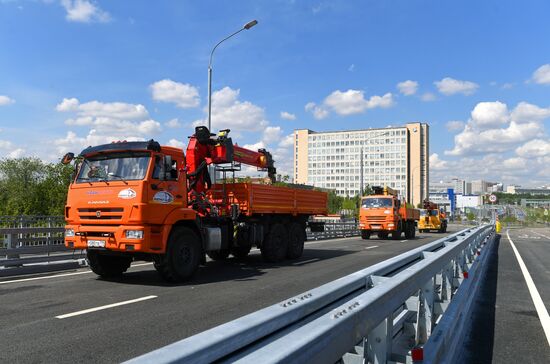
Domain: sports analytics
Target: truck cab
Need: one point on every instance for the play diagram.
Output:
(384, 213)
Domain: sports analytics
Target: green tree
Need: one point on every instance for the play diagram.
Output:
(29, 186)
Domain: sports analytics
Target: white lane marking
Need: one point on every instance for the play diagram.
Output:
(402, 241)
(61, 275)
(77, 313)
(318, 242)
(371, 247)
(535, 295)
(306, 261)
(544, 236)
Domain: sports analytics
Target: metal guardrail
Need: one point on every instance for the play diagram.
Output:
(334, 230)
(410, 307)
(26, 240)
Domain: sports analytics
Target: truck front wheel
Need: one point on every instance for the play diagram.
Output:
(365, 234)
(107, 266)
(182, 258)
(297, 237)
(274, 246)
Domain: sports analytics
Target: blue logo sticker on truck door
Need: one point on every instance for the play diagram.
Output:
(127, 194)
(163, 197)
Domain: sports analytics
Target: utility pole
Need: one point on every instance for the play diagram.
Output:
(361, 161)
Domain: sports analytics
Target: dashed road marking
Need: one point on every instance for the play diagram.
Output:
(544, 236)
(94, 309)
(371, 247)
(306, 261)
(535, 295)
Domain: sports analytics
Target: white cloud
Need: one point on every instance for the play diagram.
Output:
(287, 141)
(354, 102)
(454, 125)
(351, 68)
(107, 122)
(490, 114)
(318, 112)
(16, 153)
(287, 116)
(228, 112)
(182, 94)
(5, 144)
(534, 148)
(542, 75)
(436, 163)
(255, 146)
(428, 96)
(177, 143)
(84, 11)
(450, 86)
(494, 129)
(5, 100)
(408, 87)
(272, 134)
(173, 123)
(526, 111)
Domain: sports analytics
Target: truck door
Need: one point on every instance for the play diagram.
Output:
(166, 191)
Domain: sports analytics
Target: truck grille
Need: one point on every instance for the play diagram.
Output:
(376, 219)
(101, 213)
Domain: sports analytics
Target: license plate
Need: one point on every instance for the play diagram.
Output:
(375, 226)
(96, 243)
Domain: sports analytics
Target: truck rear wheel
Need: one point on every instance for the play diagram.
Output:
(274, 246)
(218, 254)
(182, 257)
(297, 237)
(409, 230)
(107, 266)
(365, 234)
(240, 251)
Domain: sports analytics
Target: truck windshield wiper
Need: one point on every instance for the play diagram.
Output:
(117, 176)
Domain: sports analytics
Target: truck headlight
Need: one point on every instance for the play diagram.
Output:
(134, 234)
(69, 233)
(391, 225)
(387, 211)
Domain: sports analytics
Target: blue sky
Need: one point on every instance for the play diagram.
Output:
(74, 73)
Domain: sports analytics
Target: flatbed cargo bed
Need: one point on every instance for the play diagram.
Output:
(254, 198)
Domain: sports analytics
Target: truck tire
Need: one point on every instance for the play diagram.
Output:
(218, 254)
(240, 251)
(296, 240)
(274, 246)
(382, 235)
(413, 231)
(409, 230)
(365, 234)
(182, 258)
(396, 235)
(107, 266)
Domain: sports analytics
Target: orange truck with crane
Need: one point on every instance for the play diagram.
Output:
(432, 218)
(385, 214)
(141, 200)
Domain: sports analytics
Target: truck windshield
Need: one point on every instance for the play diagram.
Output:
(114, 166)
(423, 212)
(376, 202)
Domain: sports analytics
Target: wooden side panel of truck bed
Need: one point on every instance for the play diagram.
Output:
(266, 199)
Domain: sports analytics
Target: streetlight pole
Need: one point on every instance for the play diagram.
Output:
(247, 26)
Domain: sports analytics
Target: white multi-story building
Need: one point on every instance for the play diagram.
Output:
(346, 161)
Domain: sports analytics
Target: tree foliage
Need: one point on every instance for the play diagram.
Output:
(29, 186)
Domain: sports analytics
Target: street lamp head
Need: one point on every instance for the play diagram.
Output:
(250, 24)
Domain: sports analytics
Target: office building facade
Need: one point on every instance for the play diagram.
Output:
(349, 160)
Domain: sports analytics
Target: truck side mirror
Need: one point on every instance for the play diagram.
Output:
(67, 158)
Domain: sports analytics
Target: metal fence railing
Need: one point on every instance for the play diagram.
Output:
(409, 308)
(27, 240)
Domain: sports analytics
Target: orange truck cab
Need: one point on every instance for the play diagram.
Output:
(134, 200)
(384, 213)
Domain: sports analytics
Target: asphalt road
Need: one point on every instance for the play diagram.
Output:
(42, 318)
(509, 327)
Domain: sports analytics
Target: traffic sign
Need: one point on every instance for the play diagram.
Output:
(493, 198)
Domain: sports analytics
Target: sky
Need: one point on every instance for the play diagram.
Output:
(75, 73)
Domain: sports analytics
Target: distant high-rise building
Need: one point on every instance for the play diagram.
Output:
(348, 160)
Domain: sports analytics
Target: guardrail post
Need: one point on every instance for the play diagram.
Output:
(11, 243)
(378, 343)
(424, 321)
